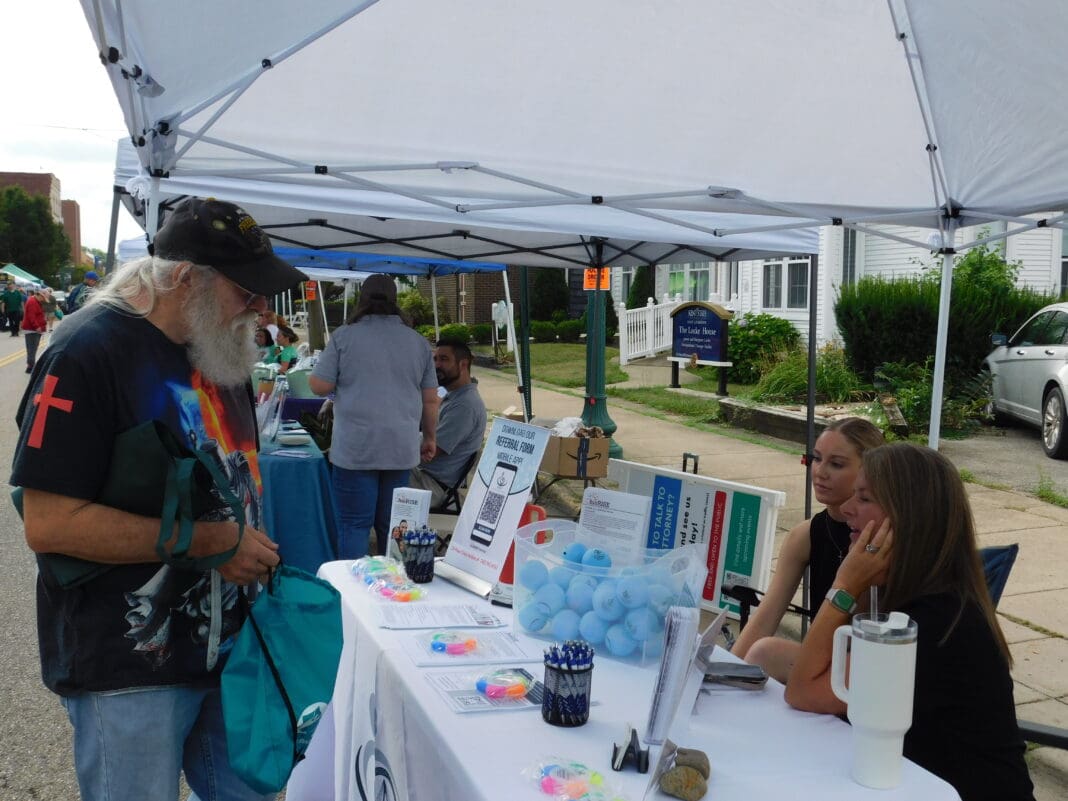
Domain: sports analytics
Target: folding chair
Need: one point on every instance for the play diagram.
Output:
(450, 504)
(298, 384)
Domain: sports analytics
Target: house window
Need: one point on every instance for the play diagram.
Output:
(794, 271)
(849, 257)
(772, 285)
(628, 281)
(691, 281)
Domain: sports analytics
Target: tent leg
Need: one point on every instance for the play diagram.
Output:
(942, 334)
(810, 433)
(522, 341)
(434, 300)
(595, 408)
(113, 229)
(322, 305)
(152, 215)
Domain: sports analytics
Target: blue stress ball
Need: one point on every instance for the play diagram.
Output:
(619, 642)
(573, 552)
(605, 602)
(592, 628)
(632, 591)
(565, 626)
(660, 599)
(641, 623)
(533, 616)
(596, 557)
(562, 575)
(579, 595)
(533, 574)
(552, 595)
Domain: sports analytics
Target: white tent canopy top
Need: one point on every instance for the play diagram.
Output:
(477, 110)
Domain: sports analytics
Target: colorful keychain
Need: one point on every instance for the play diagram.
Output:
(452, 643)
(504, 684)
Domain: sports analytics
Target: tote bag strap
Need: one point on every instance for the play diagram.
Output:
(247, 609)
(178, 508)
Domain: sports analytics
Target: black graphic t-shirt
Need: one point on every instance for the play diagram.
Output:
(134, 625)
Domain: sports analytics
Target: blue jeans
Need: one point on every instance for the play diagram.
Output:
(132, 744)
(363, 498)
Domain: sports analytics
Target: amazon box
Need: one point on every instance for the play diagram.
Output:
(576, 457)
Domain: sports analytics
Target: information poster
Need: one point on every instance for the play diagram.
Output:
(494, 504)
(697, 328)
(734, 522)
(621, 518)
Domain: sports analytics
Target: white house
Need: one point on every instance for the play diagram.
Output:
(781, 286)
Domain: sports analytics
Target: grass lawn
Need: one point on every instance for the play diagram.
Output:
(563, 364)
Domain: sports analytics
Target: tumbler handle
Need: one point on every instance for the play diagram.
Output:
(838, 662)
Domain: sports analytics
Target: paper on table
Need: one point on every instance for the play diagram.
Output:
(444, 616)
(457, 690)
(493, 647)
(680, 647)
(292, 454)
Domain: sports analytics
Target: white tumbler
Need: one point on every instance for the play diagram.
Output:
(882, 673)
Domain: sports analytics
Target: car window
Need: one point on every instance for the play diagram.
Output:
(1054, 333)
(1032, 331)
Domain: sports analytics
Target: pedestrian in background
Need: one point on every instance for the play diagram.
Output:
(386, 392)
(11, 306)
(33, 326)
(80, 294)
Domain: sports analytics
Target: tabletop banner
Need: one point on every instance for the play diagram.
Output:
(495, 501)
(735, 521)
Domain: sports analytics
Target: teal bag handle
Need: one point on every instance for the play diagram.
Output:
(178, 507)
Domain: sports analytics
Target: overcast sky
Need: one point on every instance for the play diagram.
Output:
(58, 112)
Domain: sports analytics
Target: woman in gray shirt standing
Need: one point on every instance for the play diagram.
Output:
(382, 375)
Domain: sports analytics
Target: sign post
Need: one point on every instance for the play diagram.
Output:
(699, 336)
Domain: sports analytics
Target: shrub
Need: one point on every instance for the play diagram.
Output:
(787, 381)
(963, 402)
(419, 309)
(641, 288)
(753, 343)
(559, 316)
(548, 293)
(570, 330)
(427, 331)
(456, 331)
(543, 331)
(895, 320)
(611, 319)
(482, 333)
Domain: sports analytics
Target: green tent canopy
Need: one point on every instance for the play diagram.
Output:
(20, 275)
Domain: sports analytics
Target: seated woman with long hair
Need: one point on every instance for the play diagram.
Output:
(819, 544)
(916, 542)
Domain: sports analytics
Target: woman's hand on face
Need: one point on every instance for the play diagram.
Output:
(868, 560)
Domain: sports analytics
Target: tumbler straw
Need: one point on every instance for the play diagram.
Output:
(874, 602)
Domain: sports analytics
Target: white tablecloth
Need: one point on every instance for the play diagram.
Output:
(758, 746)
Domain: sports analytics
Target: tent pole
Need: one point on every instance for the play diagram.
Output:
(810, 431)
(345, 299)
(521, 341)
(942, 332)
(322, 305)
(434, 300)
(152, 214)
(595, 408)
(113, 229)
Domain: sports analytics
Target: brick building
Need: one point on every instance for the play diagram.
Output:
(468, 298)
(37, 183)
(72, 224)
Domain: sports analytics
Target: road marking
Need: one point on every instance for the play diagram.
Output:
(14, 357)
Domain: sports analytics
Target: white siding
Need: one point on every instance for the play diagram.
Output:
(1039, 252)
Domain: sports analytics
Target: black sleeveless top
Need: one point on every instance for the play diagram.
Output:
(828, 545)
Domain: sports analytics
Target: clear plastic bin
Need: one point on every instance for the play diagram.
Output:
(564, 590)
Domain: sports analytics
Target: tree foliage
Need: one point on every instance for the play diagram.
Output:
(29, 237)
(548, 293)
(641, 288)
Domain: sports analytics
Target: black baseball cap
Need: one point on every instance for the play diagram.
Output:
(224, 236)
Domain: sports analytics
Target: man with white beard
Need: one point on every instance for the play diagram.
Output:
(135, 647)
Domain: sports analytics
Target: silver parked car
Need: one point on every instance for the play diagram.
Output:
(1029, 375)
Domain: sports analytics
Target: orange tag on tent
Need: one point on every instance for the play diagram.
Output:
(310, 288)
(595, 278)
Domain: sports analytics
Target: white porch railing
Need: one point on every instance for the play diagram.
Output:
(646, 331)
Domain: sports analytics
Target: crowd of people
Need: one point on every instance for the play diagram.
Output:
(135, 652)
(33, 311)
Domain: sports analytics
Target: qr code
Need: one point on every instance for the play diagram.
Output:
(491, 508)
(737, 579)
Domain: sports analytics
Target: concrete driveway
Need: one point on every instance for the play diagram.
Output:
(1011, 458)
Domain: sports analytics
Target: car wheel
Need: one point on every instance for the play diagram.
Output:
(1054, 425)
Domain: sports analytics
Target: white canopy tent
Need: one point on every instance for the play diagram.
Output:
(651, 122)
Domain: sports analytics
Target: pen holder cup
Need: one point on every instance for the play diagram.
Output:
(566, 700)
(618, 605)
(419, 563)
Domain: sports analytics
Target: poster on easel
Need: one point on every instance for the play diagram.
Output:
(495, 502)
(735, 522)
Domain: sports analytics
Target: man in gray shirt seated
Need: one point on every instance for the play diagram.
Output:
(461, 422)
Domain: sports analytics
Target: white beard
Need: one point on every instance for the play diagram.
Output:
(223, 352)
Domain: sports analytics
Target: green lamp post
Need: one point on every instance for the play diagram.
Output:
(595, 406)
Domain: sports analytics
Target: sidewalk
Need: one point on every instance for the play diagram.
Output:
(1034, 608)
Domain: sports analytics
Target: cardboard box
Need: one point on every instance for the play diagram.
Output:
(576, 457)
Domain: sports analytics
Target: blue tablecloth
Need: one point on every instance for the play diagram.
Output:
(298, 507)
(293, 407)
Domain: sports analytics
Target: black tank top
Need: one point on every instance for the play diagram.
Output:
(828, 545)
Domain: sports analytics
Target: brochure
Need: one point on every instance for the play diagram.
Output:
(438, 616)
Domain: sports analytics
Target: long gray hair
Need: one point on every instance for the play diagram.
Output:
(135, 287)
